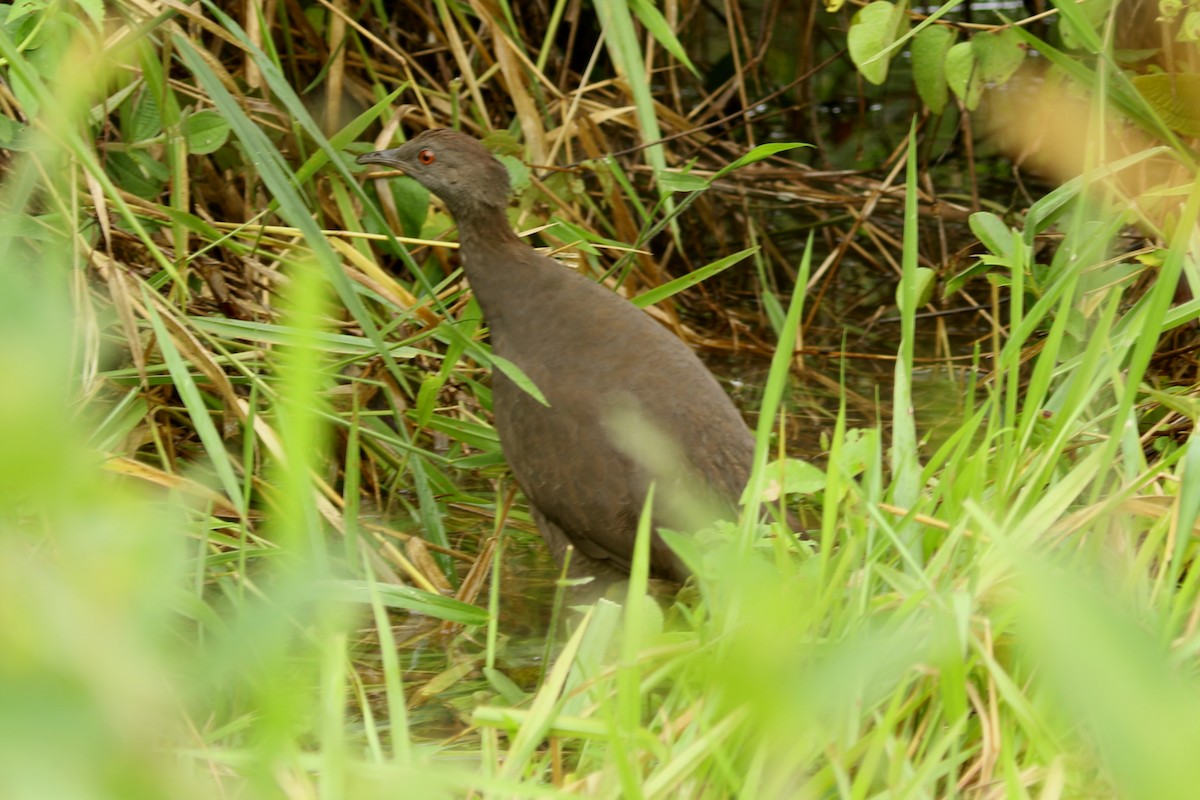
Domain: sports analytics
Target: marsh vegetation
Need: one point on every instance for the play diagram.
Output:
(258, 535)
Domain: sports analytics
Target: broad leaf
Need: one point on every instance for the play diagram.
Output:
(991, 230)
(873, 30)
(205, 132)
(929, 65)
(997, 55)
(961, 74)
(1175, 97)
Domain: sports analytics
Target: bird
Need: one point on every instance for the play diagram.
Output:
(627, 402)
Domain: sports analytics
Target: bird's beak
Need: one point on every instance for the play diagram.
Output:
(388, 157)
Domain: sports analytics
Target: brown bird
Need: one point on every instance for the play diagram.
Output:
(628, 402)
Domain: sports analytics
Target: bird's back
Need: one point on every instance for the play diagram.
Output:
(629, 402)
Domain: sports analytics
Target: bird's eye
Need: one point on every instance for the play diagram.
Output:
(426, 156)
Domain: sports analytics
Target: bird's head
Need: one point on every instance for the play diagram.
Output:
(455, 167)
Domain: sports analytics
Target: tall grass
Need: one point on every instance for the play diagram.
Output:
(250, 496)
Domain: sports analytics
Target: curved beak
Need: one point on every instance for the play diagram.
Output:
(388, 157)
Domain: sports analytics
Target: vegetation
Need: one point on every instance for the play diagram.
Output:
(258, 539)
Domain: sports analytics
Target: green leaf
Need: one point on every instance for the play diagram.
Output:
(94, 9)
(1080, 21)
(480, 437)
(579, 236)
(1044, 212)
(22, 7)
(340, 140)
(991, 230)
(427, 397)
(1190, 30)
(514, 374)
(193, 400)
(201, 227)
(1175, 97)
(669, 288)
(146, 121)
(205, 132)
(929, 50)
(873, 30)
(271, 333)
(411, 599)
(25, 93)
(962, 74)
(681, 182)
(924, 279)
(763, 151)
(34, 227)
(11, 132)
(860, 450)
(960, 279)
(796, 476)
(132, 175)
(656, 24)
(519, 174)
(505, 686)
(412, 205)
(624, 47)
(997, 55)
(17, 27)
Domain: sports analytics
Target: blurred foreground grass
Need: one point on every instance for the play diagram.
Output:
(242, 473)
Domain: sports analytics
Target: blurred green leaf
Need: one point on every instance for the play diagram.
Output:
(137, 173)
(410, 599)
(145, 121)
(22, 8)
(1114, 681)
(1175, 97)
(797, 476)
(94, 10)
(997, 55)
(12, 134)
(859, 450)
(1080, 22)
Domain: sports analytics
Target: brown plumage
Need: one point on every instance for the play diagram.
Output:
(598, 360)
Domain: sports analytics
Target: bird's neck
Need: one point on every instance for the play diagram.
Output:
(485, 232)
(496, 262)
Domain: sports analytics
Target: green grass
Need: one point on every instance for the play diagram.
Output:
(258, 540)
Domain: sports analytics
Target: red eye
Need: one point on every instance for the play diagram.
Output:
(426, 156)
